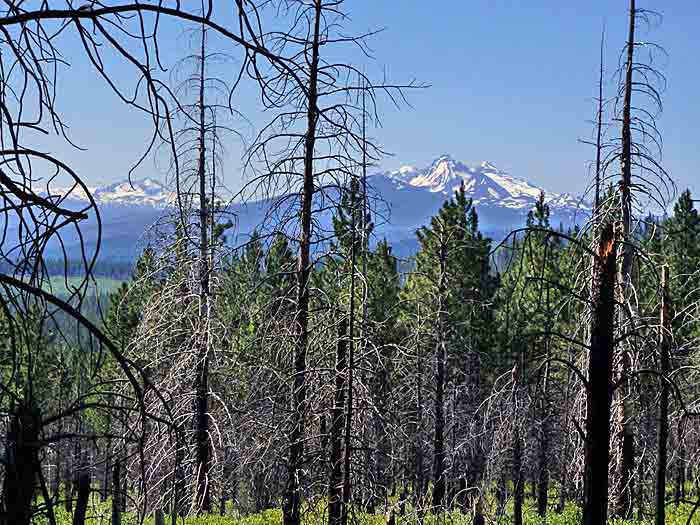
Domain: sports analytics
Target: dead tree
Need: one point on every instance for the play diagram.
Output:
(320, 134)
(336, 482)
(626, 432)
(640, 171)
(599, 383)
(32, 62)
(440, 379)
(662, 422)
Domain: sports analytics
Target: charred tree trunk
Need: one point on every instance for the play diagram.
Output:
(518, 476)
(116, 493)
(292, 498)
(625, 467)
(518, 377)
(439, 437)
(564, 480)
(350, 370)
(81, 502)
(56, 481)
(680, 468)
(227, 482)
(440, 380)
(21, 464)
(335, 485)
(68, 498)
(662, 425)
(203, 451)
(501, 495)
(179, 498)
(418, 474)
(543, 460)
(104, 492)
(599, 389)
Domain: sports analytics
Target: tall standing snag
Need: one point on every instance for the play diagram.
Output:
(662, 428)
(335, 483)
(302, 157)
(292, 498)
(600, 373)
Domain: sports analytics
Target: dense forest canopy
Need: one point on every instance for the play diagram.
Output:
(301, 372)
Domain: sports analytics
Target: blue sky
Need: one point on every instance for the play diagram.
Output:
(512, 83)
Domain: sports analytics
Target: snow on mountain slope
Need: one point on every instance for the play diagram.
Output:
(408, 198)
(485, 184)
(142, 192)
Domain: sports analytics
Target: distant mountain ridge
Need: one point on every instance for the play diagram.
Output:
(409, 198)
(140, 192)
(485, 184)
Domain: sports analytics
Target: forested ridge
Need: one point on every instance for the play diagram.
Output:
(303, 373)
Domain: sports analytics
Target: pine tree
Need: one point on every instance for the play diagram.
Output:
(451, 288)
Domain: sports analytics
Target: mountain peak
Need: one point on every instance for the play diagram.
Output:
(139, 192)
(488, 166)
(484, 183)
(446, 157)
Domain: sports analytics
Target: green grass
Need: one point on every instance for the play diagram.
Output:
(99, 513)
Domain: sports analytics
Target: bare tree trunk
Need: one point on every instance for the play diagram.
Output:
(564, 481)
(501, 494)
(625, 465)
(179, 503)
(599, 132)
(225, 482)
(599, 390)
(203, 451)
(350, 369)
(116, 493)
(662, 427)
(440, 376)
(22, 465)
(543, 460)
(68, 501)
(56, 481)
(418, 478)
(335, 495)
(518, 474)
(104, 492)
(292, 500)
(680, 469)
(83, 496)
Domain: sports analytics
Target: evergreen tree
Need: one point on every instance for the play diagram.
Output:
(450, 292)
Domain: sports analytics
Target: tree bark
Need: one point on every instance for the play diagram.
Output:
(116, 493)
(440, 376)
(680, 468)
(662, 426)
(335, 494)
(599, 390)
(543, 460)
(518, 479)
(179, 503)
(350, 369)
(292, 499)
(203, 450)
(22, 465)
(82, 500)
(626, 452)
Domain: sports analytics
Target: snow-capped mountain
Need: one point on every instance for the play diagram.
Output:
(412, 196)
(142, 192)
(485, 184)
(409, 197)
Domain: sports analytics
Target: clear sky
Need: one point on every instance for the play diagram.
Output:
(512, 83)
